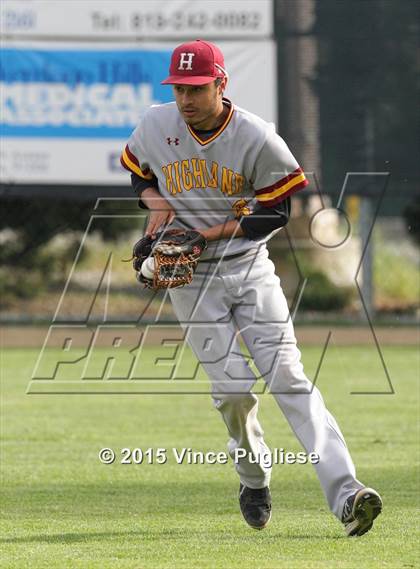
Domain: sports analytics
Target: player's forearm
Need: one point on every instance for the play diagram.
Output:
(223, 231)
(152, 199)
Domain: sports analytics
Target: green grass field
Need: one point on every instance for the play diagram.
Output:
(63, 508)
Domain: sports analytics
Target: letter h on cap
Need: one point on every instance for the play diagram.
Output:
(184, 60)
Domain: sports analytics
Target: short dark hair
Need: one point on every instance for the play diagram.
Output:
(218, 81)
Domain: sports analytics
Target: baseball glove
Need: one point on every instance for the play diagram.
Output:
(175, 253)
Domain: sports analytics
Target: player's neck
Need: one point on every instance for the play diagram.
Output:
(215, 120)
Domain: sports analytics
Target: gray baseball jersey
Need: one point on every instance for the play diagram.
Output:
(207, 180)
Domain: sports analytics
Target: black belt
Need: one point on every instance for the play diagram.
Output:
(226, 258)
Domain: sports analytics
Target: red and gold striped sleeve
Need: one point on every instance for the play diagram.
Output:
(130, 163)
(272, 195)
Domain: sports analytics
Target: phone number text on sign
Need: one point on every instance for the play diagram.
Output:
(245, 21)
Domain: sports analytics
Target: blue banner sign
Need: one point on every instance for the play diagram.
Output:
(79, 93)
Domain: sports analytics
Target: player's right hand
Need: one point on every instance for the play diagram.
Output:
(158, 220)
(161, 212)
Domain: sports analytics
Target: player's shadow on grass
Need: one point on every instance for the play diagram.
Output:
(69, 538)
(215, 499)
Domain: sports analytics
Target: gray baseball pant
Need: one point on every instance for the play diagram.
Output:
(243, 298)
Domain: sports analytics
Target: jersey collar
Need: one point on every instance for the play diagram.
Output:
(219, 131)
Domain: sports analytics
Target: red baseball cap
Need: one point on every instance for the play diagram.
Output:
(196, 63)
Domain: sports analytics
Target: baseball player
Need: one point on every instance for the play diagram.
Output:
(202, 163)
